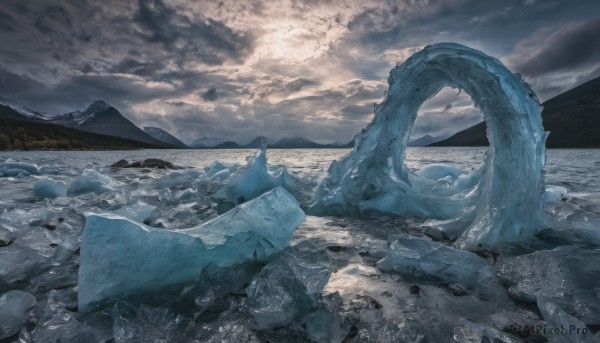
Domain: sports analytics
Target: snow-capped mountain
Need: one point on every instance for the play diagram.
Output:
(206, 142)
(164, 136)
(20, 111)
(101, 117)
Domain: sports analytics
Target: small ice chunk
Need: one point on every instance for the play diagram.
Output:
(288, 287)
(555, 194)
(423, 260)
(214, 168)
(92, 181)
(181, 179)
(18, 169)
(439, 171)
(19, 263)
(65, 250)
(138, 212)
(49, 189)
(60, 325)
(120, 257)
(325, 327)
(15, 312)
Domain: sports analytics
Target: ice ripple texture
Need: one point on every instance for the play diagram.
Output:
(506, 205)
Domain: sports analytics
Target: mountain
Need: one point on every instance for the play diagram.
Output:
(12, 110)
(296, 143)
(228, 145)
(573, 119)
(164, 136)
(206, 142)
(100, 117)
(424, 141)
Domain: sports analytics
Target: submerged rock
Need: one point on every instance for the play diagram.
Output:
(120, 257)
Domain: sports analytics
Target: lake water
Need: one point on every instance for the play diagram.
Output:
(374, 306)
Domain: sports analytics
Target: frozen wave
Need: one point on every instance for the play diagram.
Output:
(507, 204)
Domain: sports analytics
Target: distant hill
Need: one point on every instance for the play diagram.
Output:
(424, 141)
(285, 143)
(164, 136)
(38, 135)
(206, 142)
(573, 119)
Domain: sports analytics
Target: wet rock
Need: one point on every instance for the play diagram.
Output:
(121, 164)
(152, 163)
(414, 290)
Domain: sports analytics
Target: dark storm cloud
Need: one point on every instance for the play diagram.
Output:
(135, 67)
(238, 69)
(7, 23)
(210, 95)
(211, 41)
(570, 47)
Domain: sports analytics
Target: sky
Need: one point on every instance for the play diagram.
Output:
(313, 68)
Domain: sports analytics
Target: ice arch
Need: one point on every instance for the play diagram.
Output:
(505, 206)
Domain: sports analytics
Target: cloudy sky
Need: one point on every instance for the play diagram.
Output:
(311, 68)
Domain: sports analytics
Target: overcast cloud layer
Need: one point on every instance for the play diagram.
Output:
(313, 68)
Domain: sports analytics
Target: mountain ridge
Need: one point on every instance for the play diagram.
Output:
(572, 117)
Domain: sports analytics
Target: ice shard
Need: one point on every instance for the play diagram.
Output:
(255, 178)
(507, 203)
(121, 257)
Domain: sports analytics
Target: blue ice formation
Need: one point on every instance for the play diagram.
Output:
(92, 181)
(49, 189)
(423, 260)
(121, 257)
(247, 182)
(12, 168)
(506, 204)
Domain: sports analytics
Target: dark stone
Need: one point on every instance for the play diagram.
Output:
(454, 289)
(49, 227)
(121, 164)
(387, 294)
(61, 219)
(414, 290)
(4, 242)
(336, 248)
(153, 163)
(157, 163)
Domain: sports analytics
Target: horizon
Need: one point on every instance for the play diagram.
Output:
(301, 69)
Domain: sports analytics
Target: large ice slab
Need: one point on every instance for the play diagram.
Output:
(567, 276)
(120, 257)
(508, 203)
(422, 260)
